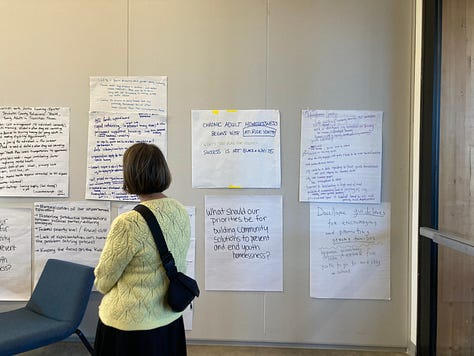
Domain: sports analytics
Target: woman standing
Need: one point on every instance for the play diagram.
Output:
(134, 318)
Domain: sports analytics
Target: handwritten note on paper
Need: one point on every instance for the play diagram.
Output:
(244, 243)
(350, 251)
(240, 147)
(34, 151)
(15, 254)
(109, 136)
(72, 231)
(341, 156)
(129, 94)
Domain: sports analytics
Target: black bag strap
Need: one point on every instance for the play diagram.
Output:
(165, 254)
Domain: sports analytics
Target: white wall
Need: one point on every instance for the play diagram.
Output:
(238, 54)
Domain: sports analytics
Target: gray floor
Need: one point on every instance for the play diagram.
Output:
(77, 349)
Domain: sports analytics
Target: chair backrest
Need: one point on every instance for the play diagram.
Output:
(62, 291)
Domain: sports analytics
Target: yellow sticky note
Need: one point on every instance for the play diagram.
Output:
(234, 186)
(231, 110)
(215, 112)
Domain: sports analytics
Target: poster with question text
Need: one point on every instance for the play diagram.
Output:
(236, 149)
(34, 151)
(341, 156)
(15, 254)
(350, 251)
(244, 243)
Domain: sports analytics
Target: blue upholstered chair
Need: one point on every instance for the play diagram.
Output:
(54, 311)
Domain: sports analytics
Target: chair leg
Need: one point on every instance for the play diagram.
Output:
(85, 341)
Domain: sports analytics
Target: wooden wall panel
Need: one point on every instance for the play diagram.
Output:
(456, 202)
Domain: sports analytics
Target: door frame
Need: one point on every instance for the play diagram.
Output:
(429, 177)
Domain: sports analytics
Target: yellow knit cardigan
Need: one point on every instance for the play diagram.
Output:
(130, 273)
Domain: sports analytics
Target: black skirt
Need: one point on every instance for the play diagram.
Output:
(163, 341)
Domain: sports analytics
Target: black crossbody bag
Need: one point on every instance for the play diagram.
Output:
(182, 288)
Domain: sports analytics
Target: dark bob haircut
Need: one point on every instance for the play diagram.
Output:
(145, 170)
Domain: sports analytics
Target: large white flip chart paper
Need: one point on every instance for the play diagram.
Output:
(244, 243)
(15, 254)
(123, 111)
(71, 231)
(190, 265)
(34, 151)
(341, 156)
(350, 251)
(129, 94)
(109, 136)
(236, 149)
